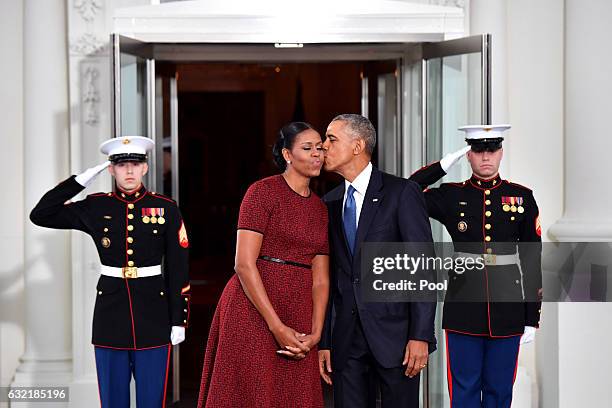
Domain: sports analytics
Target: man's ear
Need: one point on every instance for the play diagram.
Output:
(111, 170)
(146, 169)
(359, 147)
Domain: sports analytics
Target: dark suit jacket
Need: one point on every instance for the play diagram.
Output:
(393, 211)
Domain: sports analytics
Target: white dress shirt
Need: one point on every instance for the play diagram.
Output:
(360, 184)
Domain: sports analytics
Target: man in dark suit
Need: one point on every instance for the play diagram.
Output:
(384, 341)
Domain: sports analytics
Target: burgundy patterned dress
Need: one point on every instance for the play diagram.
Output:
(241, 366)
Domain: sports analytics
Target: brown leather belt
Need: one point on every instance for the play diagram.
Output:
(282, 261)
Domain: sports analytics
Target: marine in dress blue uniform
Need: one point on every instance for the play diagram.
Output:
(139, 312)
(486, 312)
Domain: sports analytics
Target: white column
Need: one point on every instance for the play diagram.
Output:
(47, 359)
(490, 16)
(583, 378)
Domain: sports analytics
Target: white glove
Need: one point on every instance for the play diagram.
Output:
(528, 335)
(86, 177)
(177, 335)
(450, 159)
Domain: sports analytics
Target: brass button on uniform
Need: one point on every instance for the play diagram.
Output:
(131, 206)
(130, 228)
(462, 214)
(488, 226)
(105, 229)
(130, 240)
(487, 192)
(488, 213)
(123, 195)
(185, 321)
(155, 231)
(161, 293)
(185, 310)
(512, 218)
(489, 251)
(100, 292)
(488, 202)
(487, 238)
(131, 216)
(130, 263)
(130, 251)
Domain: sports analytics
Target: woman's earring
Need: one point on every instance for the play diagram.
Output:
(288, 161)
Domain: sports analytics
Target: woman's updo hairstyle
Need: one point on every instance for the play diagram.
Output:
(285, 140)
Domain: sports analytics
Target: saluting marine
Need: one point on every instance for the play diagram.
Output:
(489, 312)
(139, 313)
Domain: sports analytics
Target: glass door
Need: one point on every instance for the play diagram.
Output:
(380, 103)
(455, 89)
(144, 103)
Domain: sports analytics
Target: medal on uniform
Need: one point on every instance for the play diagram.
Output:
(505, 203)
(105, 242)
(161, 219)
(520, 208)
(462, 226)
(145, 216)
(154, 220)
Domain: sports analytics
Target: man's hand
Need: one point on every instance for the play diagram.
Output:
(415, 357)
(86, 177)
(528, 335)
(450, 159)
(325, 367)
(177, 335)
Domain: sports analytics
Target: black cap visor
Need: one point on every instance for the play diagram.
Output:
(128, 157)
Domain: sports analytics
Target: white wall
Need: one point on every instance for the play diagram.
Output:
(12, 215)
(585, 329)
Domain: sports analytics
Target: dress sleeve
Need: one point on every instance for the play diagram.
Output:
(256, 208)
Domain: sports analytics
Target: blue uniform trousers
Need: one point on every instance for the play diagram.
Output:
(149, 368)
(481, 370)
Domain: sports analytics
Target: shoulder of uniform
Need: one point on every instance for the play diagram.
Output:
(517, 185)
(154, 194)
(100, 194)
(460, 184)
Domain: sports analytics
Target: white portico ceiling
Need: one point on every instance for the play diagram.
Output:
(274, 21)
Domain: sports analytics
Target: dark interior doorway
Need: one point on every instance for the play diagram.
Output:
(228, 117)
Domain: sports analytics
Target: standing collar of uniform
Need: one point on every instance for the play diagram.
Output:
(361, 181)
(130, 197)
(482, 183)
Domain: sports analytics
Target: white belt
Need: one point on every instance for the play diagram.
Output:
(131, 272)
(490, 259)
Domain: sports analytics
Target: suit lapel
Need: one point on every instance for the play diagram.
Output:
(371, 202)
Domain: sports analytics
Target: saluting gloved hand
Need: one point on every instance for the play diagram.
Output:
(177, 335)
(450, 159)
(86, 177)
(528, 335)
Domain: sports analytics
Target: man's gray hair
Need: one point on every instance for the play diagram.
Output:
(360, 127)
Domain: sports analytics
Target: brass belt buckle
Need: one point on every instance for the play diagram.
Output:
(129, 272)
(490, 259)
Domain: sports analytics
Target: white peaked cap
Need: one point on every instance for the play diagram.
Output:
(127, 145)
(476, 132)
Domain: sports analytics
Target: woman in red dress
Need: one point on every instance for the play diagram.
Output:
(261, 349)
